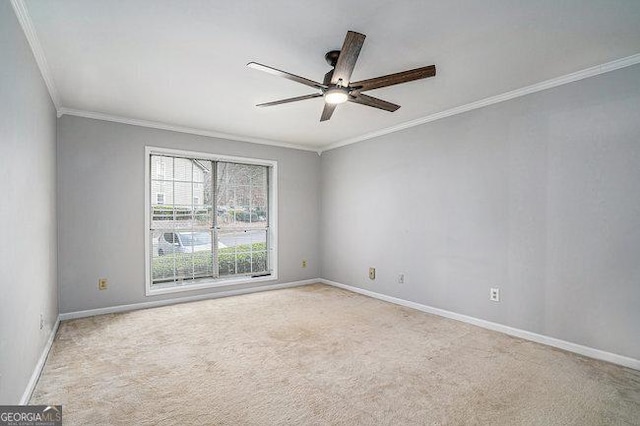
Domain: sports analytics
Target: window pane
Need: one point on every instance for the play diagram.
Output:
(162, 188)
(161, 167)
(242, 252)
(182, 200)
(242, 196)
(183, 169)
(181, 219)
(180, 255)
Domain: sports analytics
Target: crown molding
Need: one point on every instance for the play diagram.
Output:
(24, 19)
(527, 90)
(180, 129)
(29, 30)
(20, 9)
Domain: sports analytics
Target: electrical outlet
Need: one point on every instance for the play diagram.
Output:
(304, 263)
(494, 294)
(401, 278)
(102, 284)
(372, 273)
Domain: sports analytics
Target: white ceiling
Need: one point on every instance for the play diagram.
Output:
(183, 62)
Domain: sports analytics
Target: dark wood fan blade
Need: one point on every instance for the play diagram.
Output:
(348, 56)
(284, 74)
(328, 111)
(373, 102)
(397, 78)
(286, 101)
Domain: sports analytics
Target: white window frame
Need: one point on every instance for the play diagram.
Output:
(213, 282)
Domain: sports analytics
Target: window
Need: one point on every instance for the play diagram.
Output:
(211, 220)
(159, 169)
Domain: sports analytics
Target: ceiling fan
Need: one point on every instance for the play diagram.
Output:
(337, 88)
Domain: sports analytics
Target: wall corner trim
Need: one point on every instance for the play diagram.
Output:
(516, 332)
(33, 380)
(20, 8)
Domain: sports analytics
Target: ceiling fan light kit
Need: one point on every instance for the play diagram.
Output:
(336, 95)
(337, 87)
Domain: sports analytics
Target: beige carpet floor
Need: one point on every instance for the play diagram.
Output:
(318, 355)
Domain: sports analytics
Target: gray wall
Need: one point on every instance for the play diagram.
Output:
(27, 210)
(101, 208)
(538, 196)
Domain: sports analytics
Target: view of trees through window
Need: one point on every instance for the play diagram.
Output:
(209, 219)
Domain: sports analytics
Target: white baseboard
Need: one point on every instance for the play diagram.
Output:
(134, 306)
(39, 366)
(539, 338)
(165, 302)
(523, 334)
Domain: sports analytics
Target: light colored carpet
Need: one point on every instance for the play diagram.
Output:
(320, 355)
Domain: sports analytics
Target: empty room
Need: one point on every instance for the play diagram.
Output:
(362, 212)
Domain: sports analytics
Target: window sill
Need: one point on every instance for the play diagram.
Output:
(209, 284)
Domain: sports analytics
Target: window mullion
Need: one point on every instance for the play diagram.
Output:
(268, 234)
(214, 220)
(175, 218)
(193, 220)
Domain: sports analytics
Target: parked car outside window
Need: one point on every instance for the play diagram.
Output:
(183, 242)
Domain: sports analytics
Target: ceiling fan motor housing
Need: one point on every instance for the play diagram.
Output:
(332, 57)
